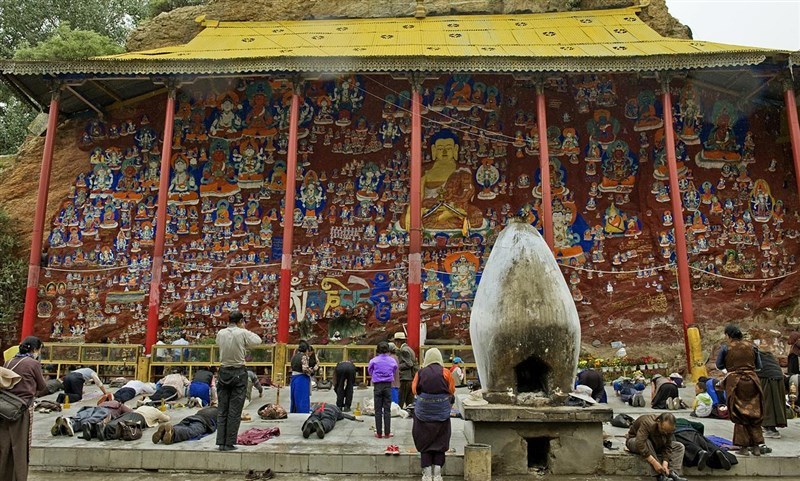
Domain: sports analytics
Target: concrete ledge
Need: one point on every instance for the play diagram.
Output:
(512, 413)
(766, 466)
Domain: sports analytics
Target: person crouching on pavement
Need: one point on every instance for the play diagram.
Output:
(652, 437)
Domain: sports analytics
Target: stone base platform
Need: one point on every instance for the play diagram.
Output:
(561, 440)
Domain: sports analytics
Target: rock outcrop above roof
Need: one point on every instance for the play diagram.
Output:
(179, 26)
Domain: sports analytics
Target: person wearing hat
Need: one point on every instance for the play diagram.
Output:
(581, 396)
(408, 367)
(652, 437)
(26, 382)
(677, 379)
(457, 371)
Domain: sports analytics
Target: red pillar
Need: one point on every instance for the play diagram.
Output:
(32, 287)
(415, 227)
(794, 129)
(544, 167)
(681, 254)
(151, 333)
(284, 305)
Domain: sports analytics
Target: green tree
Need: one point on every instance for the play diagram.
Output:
(12, 271)
(30, 22)
(15, 116)
(68, 44)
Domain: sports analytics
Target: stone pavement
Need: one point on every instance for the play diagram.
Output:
(350, 448)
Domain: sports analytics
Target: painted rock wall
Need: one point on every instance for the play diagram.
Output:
(612, 227)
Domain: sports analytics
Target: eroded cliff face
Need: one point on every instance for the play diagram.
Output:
(179, 26)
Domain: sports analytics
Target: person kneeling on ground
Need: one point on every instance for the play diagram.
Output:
(651, 436)
(202, 390)
(202, 423)
(143, 416)
(73, 384)
(665, 393)
(323, 419)
(87, 419)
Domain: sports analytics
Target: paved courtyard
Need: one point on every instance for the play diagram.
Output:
(351, 447)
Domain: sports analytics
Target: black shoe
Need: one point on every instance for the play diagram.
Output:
(346, 409)
(307, 430)
(320, 429)
(674, 477)
(230, 447)
(86, 428)
(101, 431)
(702, 459)
(221, 447)
(662, 477)
(723, 460)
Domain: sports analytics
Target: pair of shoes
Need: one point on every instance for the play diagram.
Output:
(674, 476)
(320, 429)
(307, 430)
(722, 460)
(702, 460)
(159, 434)
(100, 431)
(392, 450)
(169, 433)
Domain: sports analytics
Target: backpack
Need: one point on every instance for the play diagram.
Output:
(622, 421)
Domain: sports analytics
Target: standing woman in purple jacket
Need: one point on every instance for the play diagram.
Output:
(382, 369)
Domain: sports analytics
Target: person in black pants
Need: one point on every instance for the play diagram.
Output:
(323, 420)
(344, 378)
(201, 423)
(701, 452)
(232, 379)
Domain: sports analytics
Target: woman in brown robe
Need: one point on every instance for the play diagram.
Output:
(743, 390)
(15, 436)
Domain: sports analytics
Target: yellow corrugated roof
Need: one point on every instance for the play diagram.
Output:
(615, 33)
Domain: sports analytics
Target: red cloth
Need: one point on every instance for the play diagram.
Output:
(254, 436)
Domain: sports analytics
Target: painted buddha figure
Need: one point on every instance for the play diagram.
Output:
(182, 186)
(219, 178)
(259, 121)
(619, 169)
(446, 192)
(721, 143)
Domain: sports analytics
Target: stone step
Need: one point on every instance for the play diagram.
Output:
(626, 464)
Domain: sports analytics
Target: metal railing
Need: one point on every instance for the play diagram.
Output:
(122, 360)
(194, 356)
(109, 360)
